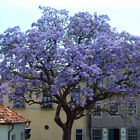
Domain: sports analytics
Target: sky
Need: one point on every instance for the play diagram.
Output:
(124, 14)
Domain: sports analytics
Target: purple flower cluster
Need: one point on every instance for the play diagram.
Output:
(59, 52)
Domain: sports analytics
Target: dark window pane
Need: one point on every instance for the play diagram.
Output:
(79, 131)
(132, 134)
(114, 109)
(97, 134)
(79, 134)
(131, 109)
(78, 137)
(76, 90)
(45, 100)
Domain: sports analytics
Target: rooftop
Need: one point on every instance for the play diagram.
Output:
(9, 116)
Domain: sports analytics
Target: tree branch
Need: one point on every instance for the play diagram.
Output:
(27, 77)
(31, 101)
(57, 118)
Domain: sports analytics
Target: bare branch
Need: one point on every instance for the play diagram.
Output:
(31, 101)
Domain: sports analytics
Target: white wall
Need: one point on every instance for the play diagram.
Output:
(18, 129)
(3, 132)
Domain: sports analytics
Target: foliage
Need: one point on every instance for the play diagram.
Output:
(60, 52)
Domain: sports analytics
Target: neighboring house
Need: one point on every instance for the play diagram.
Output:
(105, 126)
(12, 124)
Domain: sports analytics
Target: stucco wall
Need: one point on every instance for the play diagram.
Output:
(18, 129)
(42, 117)
(4, 129)
(107, 121)
(3, 132)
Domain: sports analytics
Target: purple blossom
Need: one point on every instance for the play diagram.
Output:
(60, 52)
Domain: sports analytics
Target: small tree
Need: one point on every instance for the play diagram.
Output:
(58, 53)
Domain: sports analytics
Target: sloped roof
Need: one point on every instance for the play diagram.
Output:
(9, 116)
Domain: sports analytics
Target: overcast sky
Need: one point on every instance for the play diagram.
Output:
(124, 14)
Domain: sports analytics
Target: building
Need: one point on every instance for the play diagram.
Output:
(97, 126)
(112, 126)
(43, 125)
(42, 117)
(12, 124)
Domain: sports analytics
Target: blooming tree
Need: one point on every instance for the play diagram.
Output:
(59, 53)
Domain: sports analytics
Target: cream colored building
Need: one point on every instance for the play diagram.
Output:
(43, 126)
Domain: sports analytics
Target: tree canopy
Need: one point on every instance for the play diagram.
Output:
(60, 52)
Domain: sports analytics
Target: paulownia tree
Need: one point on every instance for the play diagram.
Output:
(60, 52)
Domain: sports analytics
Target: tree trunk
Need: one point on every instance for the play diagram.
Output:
(67, 130)
(67, 126)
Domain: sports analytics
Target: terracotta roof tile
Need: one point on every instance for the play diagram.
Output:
(9, 116)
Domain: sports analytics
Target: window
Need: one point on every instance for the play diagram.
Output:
(132, 134)
(97, 111)
(113, 109)
(76, 90)
(18, 100)
(96, 134)
(13, 137)
(79, 134)
(46, 105)
(131, 109)
(21, 136)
